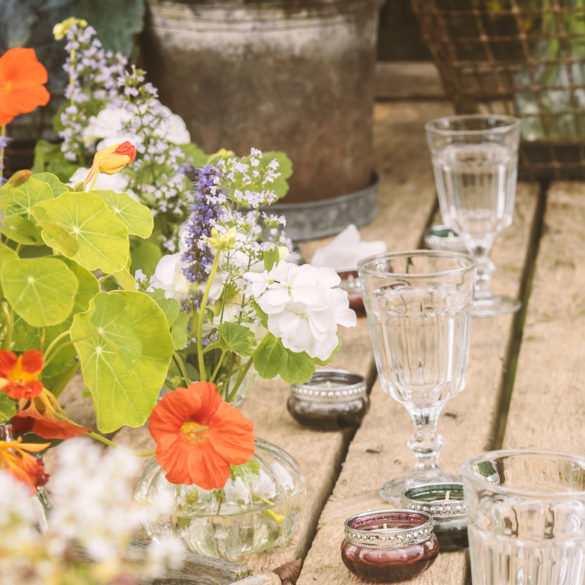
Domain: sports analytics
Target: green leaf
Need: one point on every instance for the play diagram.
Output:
(194, 154)
(280, 185)
(248, 471)
(41, 290)
(271, 257)
(177, 319)
(21, 230)
(101, 237)
(20, 200)
(137, 217)
(53, 181)
(298, 368)
(272, 359)
(236, 338)
(54, 232)
(145, 256)
(125, 280)
(88, 285)
(50, 159)
(7, 408)
(269, 357)
(123, 394)
(26, 336)
(6, 253)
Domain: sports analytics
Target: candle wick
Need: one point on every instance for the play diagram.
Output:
(447, 495)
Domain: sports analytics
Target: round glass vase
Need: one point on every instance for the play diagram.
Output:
(256, 510)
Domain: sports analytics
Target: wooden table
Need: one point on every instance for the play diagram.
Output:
(511, 398)
(523, 385)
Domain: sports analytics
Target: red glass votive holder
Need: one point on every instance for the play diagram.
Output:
(385, 546)
(350, 283)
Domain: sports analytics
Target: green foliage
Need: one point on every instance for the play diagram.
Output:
(125, 347)
(53, 277)
(81, 227)
(40, 290)
(177, 319)
(236, 338)
(7, 408)
(280, 185)
(272, 359)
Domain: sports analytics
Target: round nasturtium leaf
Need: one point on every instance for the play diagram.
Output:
(41, 290)
(101, 238)
(137, 217)
(125, 348)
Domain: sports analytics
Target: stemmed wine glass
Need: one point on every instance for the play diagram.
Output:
(475, 161)
(419, 312)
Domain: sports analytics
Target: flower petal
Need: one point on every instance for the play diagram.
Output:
(7, 362)
(20, 67)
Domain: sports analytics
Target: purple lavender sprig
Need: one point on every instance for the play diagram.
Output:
(205, 214)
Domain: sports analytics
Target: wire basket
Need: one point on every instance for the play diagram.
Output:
(524, 58)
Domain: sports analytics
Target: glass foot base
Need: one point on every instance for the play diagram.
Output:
(392, 490)
(496, 305)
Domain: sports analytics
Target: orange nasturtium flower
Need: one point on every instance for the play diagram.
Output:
(198, 436)
(21, 84)
(39, 416)
(16, 458)
(111, 160)
(18, 374)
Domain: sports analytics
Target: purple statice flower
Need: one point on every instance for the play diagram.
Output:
(205, 214)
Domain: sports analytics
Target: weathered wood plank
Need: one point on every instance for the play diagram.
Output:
(548, 401)
(320, 453)
(378, 451)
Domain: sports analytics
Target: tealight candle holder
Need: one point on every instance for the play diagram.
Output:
(444, 502)
(330, 400)
(385, 546)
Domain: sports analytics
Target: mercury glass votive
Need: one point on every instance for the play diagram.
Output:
(330, 400)
(385, 546)
(444, 502)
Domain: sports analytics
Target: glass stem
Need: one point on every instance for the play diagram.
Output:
(426, 444)
(485, 267)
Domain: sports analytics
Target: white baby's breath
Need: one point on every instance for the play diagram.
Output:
(93, 510)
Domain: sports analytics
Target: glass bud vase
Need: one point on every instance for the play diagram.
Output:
(256, 510)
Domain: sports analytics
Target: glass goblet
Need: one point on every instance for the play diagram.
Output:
(418, 306)
(475, 161)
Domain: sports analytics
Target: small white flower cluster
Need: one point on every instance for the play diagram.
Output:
(304, 306)
(92, 510)
(128, 109)
(93, 72)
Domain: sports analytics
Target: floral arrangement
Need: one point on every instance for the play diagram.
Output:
(87, 280)
(245, 308)
(100, 521)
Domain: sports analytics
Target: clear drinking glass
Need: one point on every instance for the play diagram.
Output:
(419, 312)
(475, 161)
(526, 518)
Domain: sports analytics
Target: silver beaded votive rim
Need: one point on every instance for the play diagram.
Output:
(348, 386)
(431, 499)
(384, 534)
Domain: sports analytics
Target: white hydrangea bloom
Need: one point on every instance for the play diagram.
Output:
(304, 306)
